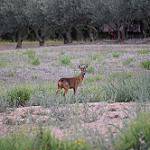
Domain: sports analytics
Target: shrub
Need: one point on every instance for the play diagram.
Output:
(145, 64)
(94, 78)
(145, 51)
(114, 75)
(128, 89)
(116, 55)
(128, 61)
(30, 53)
(90, 69)
(11, 74)
(3, 63)
(19, 95)
(65, 60)
(41, 140)
(136, 135)
(35, 62)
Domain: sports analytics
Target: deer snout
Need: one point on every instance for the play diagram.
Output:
(84, 72)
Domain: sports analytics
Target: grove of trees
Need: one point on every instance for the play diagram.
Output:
(70, 19)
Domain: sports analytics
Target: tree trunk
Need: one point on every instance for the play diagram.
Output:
(92, 31)
(19, 39)
(39, 38)
(67, 35)
(22, 34)
(91, 35)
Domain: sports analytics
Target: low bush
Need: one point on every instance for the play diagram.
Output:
(65, 60)
(128, 89)
(30, 53)
(136, 135)
(35, 62)
(128, 61)
(90, 69)
(116, 55)
(18, 95)
(3, 63)
(42, 140)
(145, 64)
(145, 51)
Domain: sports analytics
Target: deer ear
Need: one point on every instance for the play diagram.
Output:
(79, 67)
(86, 66)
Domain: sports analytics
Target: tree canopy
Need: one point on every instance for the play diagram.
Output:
(63, 17)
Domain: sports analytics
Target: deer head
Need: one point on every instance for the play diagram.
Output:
(83, 69)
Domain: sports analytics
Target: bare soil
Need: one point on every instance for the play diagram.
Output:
(111, 113)
(12, 46)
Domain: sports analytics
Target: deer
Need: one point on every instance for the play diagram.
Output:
(71, 83)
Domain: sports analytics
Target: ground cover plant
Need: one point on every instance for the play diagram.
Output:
(28, 92)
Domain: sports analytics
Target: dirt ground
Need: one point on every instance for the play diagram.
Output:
(12, 46)
(111, 113)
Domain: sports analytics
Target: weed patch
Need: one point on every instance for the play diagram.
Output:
(145, 64)
(3, 63)
(90, 69)
(116, 55)
(18, 95)
(136, 135)
(65, 60)
(128, 61)
(145, 51)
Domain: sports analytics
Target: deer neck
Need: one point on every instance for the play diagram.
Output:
(81, 76)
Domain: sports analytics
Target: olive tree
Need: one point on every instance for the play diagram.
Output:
(13, 19)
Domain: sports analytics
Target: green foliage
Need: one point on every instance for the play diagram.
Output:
(90, 69)
(35, 62)
(65, 60)
(116, 55)
(41, 140)
(128, 61)
(18, 95)
(95, 56)
(32, 58)
(94, 78)
(128, 89)
(3, 63)
(61, 52)
(114, 75)
(11, 74)
(145, 64)
(136, 135)
(145, 51)
(30, 53)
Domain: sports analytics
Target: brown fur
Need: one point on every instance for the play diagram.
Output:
(71, 83)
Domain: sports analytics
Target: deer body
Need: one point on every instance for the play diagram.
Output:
(71, 83)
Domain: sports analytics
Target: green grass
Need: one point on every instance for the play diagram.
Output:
(94, 78)
(65, 60)
(128, 61)
(18, 95)
(30, 53)
(136, 135)
(145, 51)
(115, 75)
(35, 62)
(42, 140)
(145, 64)
(128, 89)
(3, 63)
(90, 69)
(11, 74)
(116, 55)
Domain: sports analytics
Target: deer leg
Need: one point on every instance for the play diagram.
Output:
(66, 90)
(57, 91)
(75, 89)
